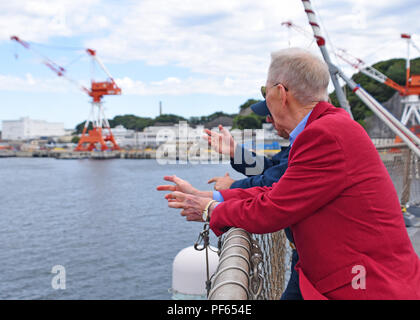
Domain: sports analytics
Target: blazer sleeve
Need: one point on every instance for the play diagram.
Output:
(249, 163)
(316, 175)
(237, 194)
(270, 176)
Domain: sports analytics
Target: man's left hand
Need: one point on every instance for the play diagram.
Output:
(222, 183)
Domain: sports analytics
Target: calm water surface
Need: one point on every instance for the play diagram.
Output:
(103, 221)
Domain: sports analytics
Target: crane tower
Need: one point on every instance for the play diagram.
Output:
(100, 136)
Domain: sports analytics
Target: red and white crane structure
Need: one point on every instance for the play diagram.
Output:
(409, 92)
(408, 137)
(100, 137)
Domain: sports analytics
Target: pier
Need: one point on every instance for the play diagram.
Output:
(69, 155)
(101, 155)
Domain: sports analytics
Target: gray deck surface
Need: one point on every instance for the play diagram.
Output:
(414, 234)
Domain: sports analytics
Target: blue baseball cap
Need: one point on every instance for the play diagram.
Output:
(261, 108)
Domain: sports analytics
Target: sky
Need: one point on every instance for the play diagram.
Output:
(196, 56)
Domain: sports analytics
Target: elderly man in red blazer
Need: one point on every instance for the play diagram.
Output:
(336, 195)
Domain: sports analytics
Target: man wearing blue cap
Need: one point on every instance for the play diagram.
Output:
(271, 171)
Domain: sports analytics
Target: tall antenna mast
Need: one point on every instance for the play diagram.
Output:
(320, 40)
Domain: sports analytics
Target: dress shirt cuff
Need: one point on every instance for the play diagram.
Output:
(218, 196)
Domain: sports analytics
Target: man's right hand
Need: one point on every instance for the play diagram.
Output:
(183, 186)
(222, 141)
(180, 185)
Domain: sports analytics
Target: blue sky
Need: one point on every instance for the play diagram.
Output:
(195, 56)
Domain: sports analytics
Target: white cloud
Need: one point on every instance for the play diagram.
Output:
(225, 45)
(177, 87)
(39, 20)
(212, 38)
(29, 83)
(169, 86)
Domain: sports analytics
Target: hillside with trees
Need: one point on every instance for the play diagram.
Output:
(246, 119)
(133, 122)
(393, 69)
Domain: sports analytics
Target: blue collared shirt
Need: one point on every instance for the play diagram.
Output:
(299, 128)
(292, 137)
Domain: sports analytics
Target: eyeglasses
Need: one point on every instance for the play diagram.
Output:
(264, 89)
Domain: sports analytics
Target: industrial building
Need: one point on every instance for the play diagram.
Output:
(26, 129)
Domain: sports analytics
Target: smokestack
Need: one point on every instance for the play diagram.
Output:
(160, 108)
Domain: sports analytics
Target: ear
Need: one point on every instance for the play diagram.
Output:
(283, 94)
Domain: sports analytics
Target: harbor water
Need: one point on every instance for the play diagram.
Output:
(103, 221)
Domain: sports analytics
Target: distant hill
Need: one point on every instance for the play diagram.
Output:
(246, 119)
(133, 122)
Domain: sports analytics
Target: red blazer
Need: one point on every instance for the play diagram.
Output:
(342, 207)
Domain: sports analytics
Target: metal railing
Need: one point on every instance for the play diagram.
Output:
(238, 274)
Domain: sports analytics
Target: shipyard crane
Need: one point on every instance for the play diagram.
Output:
(291, 25)
(408, 137)
(100, 136)
(409, 92)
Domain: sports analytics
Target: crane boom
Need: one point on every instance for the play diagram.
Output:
(290, 24)
(88, 142)
(399, 128)
(412, 86)
(412, 141)
(369, 71)
(54, 67)
(92, 53)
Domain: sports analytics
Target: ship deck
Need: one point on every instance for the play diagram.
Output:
(414, 234)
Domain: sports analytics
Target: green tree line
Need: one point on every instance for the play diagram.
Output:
(133, 122)
(393, 68)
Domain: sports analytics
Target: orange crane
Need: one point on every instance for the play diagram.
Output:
(100, 137)
(409, 138)
(412, 84)
(410, 91)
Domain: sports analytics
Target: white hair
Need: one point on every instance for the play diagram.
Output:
(304, 74)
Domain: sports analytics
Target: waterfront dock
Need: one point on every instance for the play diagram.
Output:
(138, 154)
(69, 155)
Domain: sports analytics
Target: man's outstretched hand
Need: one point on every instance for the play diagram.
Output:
(183, 186)
(180, 185)
(222, 141)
